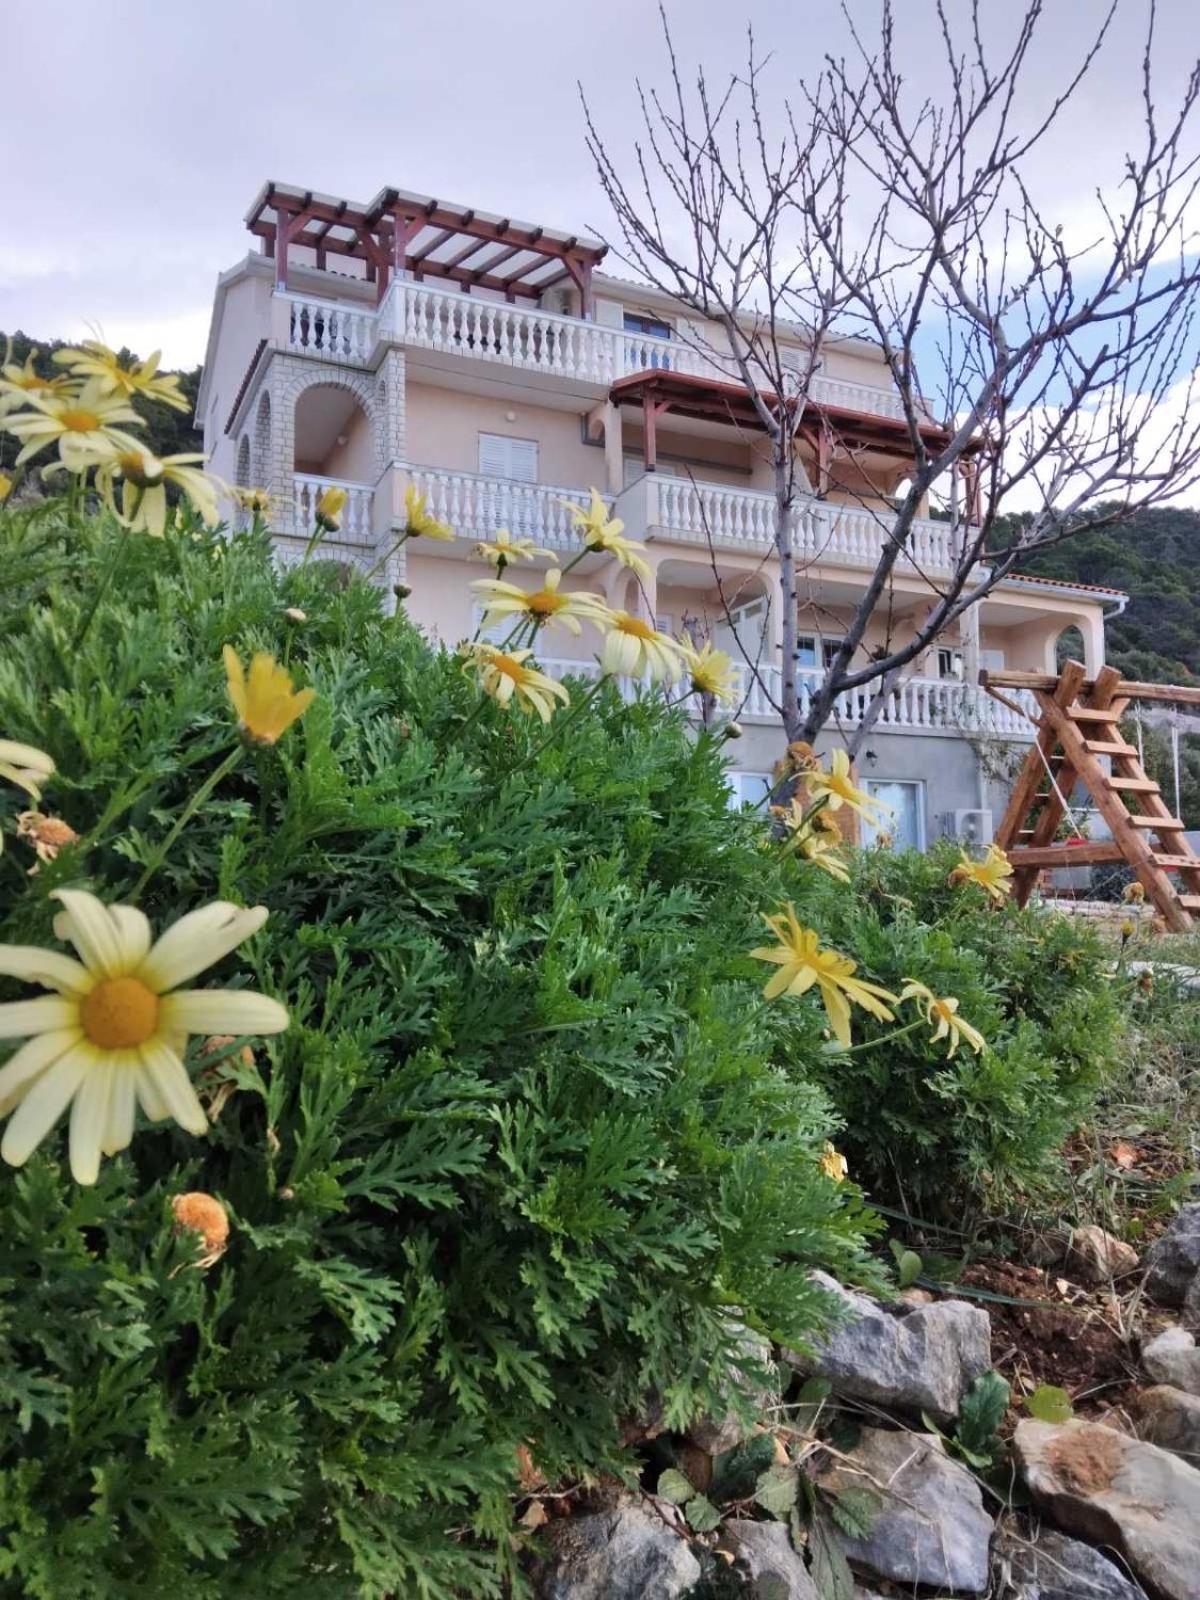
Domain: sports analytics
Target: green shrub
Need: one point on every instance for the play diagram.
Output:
(958, 1136)
(527, 1148)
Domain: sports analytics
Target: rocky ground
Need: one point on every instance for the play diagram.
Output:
(892, 1461)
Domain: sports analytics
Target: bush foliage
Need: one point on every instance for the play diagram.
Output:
(532, 1143)
(955, 1136)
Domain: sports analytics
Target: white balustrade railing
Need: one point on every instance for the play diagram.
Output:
(354, 526)
(329, 328)
(491, 330)
(475, 506)
(694, 512)
(915, 705)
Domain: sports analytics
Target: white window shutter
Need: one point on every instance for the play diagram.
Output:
(502, 457)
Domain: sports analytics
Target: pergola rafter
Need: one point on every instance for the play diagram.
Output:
(398, 231)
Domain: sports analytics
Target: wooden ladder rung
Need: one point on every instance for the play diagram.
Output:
(1134, 785)
(1090, 854)
(1159, 824)
(1102, 747)
(1087, 714)
(1190, 902)
(1185, 863)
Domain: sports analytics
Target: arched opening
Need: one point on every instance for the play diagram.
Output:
(241, 477)
(1069, 646)
(259, 462)
(333, 435)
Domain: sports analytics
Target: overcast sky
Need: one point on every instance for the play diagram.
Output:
(137, 132)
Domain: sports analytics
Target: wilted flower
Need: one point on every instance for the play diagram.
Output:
(47, 835)
(200, 1213)
(504, 676)
(814, 837)
(421, 524)
(266, 702)
(945, 1013)
(1133, 894)
(802, 963)
(834, 1164)
(116, 1027)
(992, 874)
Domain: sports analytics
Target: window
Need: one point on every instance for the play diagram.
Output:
(502, 457)
(665, 623)
(747, 788)
(830, 648)
(906, 824)
(950, 664)
(806, 651)
(654, 327)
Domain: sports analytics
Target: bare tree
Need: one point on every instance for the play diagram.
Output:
(1021, 359)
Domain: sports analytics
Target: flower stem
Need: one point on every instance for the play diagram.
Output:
(564, 723)
(384, 559)
(185, 816)
(102, 588)
(888, 1038)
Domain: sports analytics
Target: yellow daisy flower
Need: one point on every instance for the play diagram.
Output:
(602, 532)
(26, 767)
(144, 479)
(834, 1164)
(83, 426)
(97, 363)
(114, 1031)
(633, 649)
(712, 672)
(802, 963)
(17, 383)
(266, 702)
(814, 840)
(504, 675)
(945, 1012)
(841, 790)
(545, 605)
(258, 500)
(504, 549)
(6, 484)
(420, 524)
(992, 874)
(331, 503)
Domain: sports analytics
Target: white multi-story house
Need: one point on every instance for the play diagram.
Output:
(492, 364)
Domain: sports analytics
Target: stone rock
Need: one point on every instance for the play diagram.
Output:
(766, 1556)
(931, 1528)
(1049, 1248)
(716, 1434)
(1052, 1567)
(1190, 1311)
(624, 1553)
(1170, 1419)
(1114, 1490)
(923, 1360)
(1098, 1256)
(1172, 1358)
(1173, 1261)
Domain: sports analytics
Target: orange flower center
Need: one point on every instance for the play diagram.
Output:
(544, 602)
(77, 420)
(636, 627)
(119, 1013)
(510, 668)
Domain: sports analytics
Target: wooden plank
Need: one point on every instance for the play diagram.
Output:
(1133, 689)
(1187, 863)
(1134, 785)
(1159, 824)
(1108, 747)
(1089, 714)
(1190, 902)
(1031, 778)
(1090, 854)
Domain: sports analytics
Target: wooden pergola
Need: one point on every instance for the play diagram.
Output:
(1078, 730)
(825, 428)
(399, 232)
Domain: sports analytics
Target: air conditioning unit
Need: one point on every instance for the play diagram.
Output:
(973, 827)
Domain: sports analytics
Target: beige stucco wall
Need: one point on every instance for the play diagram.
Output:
(444, 427)
(246, 316)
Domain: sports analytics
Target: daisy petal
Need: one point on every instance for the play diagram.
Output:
(118, 1130)
(197, 941)
(89, 1119)
(86, 922)
(133, 934)
(173, 1085)
(149, 1095)
(47, 967)
(30, 1061)
(44, 1103)
(221, 1011)
(21, 1018)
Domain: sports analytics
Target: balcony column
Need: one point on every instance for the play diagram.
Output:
(968, 627)
(614, 449)
(283, 230)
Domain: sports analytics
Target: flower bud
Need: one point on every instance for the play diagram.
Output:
(202, 1214)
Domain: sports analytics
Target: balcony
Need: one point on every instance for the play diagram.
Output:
(923, 706)
(356, 526)
(475, 506)
(692, 512)
(447, 324)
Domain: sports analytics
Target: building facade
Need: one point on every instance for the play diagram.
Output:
(492, 364)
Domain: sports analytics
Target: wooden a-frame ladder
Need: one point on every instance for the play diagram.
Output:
(1079, 724)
